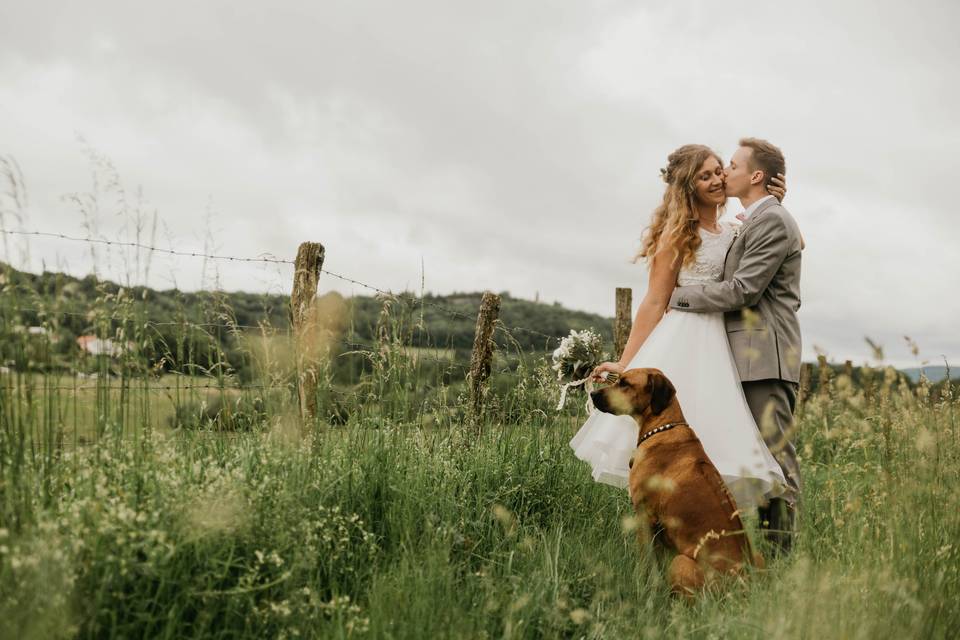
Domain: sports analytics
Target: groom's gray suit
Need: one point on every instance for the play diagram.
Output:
(760, 295)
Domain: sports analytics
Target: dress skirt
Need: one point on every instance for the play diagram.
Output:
(692, 350)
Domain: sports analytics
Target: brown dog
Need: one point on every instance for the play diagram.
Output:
(675, 486)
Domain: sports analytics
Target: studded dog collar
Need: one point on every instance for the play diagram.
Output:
(660, 429)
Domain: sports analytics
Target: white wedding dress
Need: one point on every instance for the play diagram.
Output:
(692, 350)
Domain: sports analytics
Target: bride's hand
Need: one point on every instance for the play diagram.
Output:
(778, 187)
(606, 367)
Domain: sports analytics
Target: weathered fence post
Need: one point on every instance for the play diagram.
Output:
(482, 355)
(806, 371)
(824, 372)
(624, 320)
(306, 275)
(867, 382)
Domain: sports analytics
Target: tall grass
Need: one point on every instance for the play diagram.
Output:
(388, 518)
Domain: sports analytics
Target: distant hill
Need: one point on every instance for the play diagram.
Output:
(437, 320)
(67, 304)
(445, 321)
(934, 374)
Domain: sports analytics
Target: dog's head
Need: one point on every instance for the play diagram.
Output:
(638, 393)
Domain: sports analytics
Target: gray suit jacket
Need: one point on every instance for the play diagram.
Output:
(760, 295)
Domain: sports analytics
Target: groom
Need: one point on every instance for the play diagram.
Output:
(760, 294)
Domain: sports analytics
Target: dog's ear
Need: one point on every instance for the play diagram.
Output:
(662, 392)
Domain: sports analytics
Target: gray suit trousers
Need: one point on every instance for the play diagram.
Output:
(772, 403)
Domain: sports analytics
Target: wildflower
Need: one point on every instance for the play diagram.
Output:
(926, 442)
(629, 524)
(579, 616)
(276, 559)
(506, 518)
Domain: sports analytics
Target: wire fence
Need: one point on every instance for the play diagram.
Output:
(409, 297)
(146, 247)
(436, 305)
(218, 360)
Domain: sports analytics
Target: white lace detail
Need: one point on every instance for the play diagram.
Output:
(708, 266)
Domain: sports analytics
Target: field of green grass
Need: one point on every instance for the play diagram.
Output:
(137, 505)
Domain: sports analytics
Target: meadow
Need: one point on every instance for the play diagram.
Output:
(187, 501)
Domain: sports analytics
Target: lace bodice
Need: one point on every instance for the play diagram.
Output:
(708, 266)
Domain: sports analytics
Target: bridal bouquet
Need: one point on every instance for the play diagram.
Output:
(575, 358)
(578, 354)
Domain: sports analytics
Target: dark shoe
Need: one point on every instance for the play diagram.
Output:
(778, 524)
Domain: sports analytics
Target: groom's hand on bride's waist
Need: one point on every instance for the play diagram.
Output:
(678, 300)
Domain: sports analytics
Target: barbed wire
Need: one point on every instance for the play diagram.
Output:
(138, 245)
(386, 292)
(436, 305)
(380, 290)
(531, 331)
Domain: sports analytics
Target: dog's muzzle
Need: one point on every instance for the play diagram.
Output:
(600, 401)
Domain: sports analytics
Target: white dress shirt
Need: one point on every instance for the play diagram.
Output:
(749, 212)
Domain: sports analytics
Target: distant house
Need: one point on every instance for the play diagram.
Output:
(100, 346)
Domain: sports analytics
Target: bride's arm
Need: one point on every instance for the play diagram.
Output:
(663, 278)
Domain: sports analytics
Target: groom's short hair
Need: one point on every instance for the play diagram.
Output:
(766, 157)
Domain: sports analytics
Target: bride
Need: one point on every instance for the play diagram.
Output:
(686, 244)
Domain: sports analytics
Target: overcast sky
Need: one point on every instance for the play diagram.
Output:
(501, 145)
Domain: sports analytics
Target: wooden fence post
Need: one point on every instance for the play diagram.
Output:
(306, 276)
(824, 372)
(806, 371)
(482, 355)
(624, 320)
(867, 382)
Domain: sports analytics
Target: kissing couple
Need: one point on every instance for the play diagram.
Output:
(719, 319)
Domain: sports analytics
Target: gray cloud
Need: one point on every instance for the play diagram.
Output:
(506, 145)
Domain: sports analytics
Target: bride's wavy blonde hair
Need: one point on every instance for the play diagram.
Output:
(675, 222)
